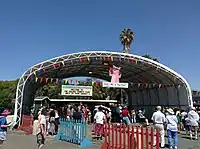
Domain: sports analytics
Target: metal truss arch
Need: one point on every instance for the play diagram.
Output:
(88, 54)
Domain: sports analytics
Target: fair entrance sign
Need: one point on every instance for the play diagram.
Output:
(70, 90)
(115, 85)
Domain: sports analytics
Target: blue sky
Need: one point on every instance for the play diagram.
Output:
(33, 31)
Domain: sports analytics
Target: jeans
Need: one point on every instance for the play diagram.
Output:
(126, 120)
(174, 135)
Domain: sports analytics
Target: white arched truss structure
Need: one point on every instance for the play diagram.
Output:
(135, 69)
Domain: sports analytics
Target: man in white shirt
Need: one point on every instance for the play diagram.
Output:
(99, 121)
(158, 119)
(193, 121)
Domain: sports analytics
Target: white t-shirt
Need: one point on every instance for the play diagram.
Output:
(183, 114)
(41, 121)
(99, 117)
(158, 117)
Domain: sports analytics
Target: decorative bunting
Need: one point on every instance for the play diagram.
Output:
(66, 81)
(41, 79)
(35, 73)
(57, 81)
(112, 59)
(77, 82)
(92, 83)
(47, 80)
(139, 85)
(54, 66)
(63, 63)
(88, 58)
(99, 83)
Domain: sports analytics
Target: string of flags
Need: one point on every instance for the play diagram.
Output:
(98, 83)
(88, 59)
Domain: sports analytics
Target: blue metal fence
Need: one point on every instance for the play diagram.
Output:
(72, 131)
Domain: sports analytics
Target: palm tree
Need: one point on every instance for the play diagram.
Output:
(126, 38)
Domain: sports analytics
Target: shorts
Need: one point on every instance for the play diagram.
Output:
(40, 138)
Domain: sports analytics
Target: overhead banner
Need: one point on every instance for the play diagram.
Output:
(69, 90)
(115, 85)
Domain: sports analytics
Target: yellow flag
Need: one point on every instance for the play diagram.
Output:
(112, 58)
(36, 79)
(88, 58)
(136, 61)
(92, 83)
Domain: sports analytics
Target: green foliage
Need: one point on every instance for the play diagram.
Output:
(51, 90)
(150, 57)
(7, 93)
(126, 38)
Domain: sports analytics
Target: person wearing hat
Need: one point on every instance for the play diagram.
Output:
(158, 119)
(192, 121)
(3, 125)
(172, 128)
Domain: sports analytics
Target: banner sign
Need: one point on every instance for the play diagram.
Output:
(115, 85)
(69, 90)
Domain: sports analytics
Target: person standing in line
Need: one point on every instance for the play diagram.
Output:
(158, 119)
(125, 116)
(133, 116)
(57, 122)
(99, 119)
(41, 131)
(192, 120)
(172, 128)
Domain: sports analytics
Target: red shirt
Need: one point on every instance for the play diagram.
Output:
(125, 113)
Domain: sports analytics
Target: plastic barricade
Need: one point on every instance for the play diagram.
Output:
(73, 131)
(27, 124)
(120, 137)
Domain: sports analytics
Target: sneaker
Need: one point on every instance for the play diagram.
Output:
(175, 147)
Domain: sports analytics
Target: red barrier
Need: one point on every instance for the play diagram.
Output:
(27, 124)
(121, 137)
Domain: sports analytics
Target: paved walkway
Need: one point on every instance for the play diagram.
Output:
(17, 141)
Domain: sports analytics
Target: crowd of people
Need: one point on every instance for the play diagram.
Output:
(171, 120)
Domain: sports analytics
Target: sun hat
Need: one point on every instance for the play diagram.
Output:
(171, 111)
(140, 111)
(5, 112)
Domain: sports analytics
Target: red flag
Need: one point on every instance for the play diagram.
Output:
(41, 79)
(54, 66)
(70, 81)
(146, 85)
(47, 80)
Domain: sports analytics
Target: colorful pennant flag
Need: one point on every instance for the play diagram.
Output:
(41, 79)
(47, 80)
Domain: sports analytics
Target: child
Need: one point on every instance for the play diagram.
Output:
(172, 128)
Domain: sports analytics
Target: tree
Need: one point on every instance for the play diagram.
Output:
(126, 38)
(150, 57)
(8, 93)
